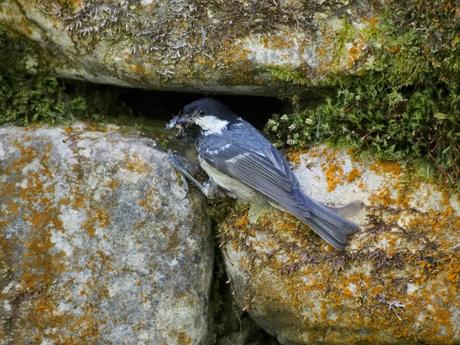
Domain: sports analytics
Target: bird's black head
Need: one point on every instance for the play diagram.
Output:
(209, 107)
(206, 113)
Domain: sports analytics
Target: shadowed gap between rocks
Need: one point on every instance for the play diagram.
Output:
(112, 101)
(163, 105)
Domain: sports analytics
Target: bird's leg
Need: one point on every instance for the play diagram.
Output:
(209, 188)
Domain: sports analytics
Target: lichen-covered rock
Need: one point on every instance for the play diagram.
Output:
(244, 47)
(100, 242)
(396, 283)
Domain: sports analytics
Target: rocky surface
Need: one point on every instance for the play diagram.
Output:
(100, 241)
(245, 47)
(397, 281)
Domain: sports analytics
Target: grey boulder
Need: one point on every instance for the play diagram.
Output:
(396, 282)
(100, 241)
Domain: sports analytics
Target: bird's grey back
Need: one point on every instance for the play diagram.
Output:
(244, 134)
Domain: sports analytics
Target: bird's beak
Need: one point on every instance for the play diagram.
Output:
(178, 122)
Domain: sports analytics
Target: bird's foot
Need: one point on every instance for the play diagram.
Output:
(209, 188)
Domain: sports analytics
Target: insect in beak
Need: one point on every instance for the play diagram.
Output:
(178, 123)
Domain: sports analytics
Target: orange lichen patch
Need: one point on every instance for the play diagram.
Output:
(183, 338)
(448, 209)
(79, 200)
(294, 156)
(353, 175)
(242, 221)
(373, 21)
(113, 184)
(98, 217)
(12, 207)
(136, 68)
(148, 201)
(276, 42)
(385, 197)
(453, 274)
(40, 264)
(333, 169)
(382, 197)
(136, 164)
(362, 185)
(68, 130)
(42, 316)
(354, 53)
(105, 260)
(334, 176)
(387, 167)
(321, 51)
(26, 155)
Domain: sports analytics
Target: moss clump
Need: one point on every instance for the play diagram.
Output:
(29, 95)
(25, 95)
(37, 99)
(405, 105)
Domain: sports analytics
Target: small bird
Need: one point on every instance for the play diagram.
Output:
(239, 159)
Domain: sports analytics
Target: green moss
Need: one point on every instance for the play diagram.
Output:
(25, 95)
(37, 99)
(405, 105)
(29, 95)
(288, 75)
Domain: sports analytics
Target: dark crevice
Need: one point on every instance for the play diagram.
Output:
(163, 105)
(110, 100)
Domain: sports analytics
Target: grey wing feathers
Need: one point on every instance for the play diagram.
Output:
(257, 172)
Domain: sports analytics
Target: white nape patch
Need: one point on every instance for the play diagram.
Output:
(211, 124)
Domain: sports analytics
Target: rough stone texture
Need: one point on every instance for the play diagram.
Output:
(396, 283)
(100, 242)
(244, 47)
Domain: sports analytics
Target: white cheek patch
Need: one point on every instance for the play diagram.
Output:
(211, 124)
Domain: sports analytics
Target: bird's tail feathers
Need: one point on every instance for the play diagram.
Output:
(348, 210)
(328, 223)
